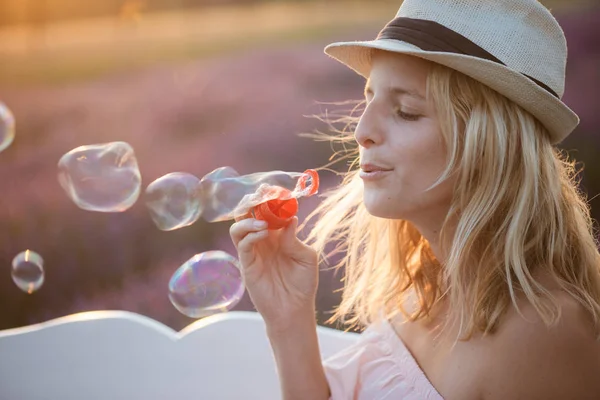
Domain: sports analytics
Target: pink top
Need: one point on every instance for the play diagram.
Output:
(377, 367)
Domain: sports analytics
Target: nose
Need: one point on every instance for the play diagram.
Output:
(368, 131)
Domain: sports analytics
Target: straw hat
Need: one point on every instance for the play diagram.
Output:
(515, 47)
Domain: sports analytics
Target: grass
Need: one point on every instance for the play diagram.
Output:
(80, 50)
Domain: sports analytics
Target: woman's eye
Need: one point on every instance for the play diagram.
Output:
(406, 116)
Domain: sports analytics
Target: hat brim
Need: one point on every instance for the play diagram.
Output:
(559, 119)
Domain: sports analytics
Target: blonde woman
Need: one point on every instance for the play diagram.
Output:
(469, 253)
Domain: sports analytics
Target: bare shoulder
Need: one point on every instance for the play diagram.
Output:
(528, 360)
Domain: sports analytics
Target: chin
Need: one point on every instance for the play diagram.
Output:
(381, 210)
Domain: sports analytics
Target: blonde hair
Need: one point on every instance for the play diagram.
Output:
(516, 210)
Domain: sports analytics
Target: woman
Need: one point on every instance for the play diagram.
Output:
(469, 252)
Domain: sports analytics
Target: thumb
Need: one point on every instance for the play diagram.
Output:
(289, 241)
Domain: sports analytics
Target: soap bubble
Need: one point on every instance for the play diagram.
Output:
(225, 194)
(101, 177)
(7, 127)
(208, 283)
(173, 201)
(28, 271)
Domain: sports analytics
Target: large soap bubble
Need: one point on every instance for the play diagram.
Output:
(208, 283)
(101, 177)
(179, 199)
(173, 201)
(226, 195)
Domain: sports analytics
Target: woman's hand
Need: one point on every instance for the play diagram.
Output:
(280, 272)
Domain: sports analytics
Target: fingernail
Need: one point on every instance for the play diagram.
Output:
(260, 224)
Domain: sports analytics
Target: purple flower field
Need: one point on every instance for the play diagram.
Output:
(242, 109)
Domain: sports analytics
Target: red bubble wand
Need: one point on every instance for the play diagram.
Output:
(279, 211)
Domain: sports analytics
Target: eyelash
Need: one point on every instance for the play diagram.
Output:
(405, 116)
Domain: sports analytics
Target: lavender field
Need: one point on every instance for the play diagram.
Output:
(244, 108)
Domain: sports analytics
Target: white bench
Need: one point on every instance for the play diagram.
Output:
(113, 355)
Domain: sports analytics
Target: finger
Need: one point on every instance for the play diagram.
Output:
(288, 237)
(245, 246)
(294, 246)
(240, 229)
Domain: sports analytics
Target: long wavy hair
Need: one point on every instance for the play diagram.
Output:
(516, 210)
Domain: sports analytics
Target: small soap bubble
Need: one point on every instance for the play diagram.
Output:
(7, 127)
(28, 271)
(207, 284)
(173, 202)
(101, 177)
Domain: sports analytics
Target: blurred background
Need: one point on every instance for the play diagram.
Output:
(192, 85)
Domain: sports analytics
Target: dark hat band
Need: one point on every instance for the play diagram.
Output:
(431, 36)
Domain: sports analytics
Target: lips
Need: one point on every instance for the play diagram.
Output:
(367, 167)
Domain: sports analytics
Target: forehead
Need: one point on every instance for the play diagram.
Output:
(392, 69)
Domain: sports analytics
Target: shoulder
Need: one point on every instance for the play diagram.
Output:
(531, 361)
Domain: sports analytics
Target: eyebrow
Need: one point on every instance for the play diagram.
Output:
(397, 91)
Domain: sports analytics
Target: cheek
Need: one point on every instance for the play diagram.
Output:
(419, 166)
(420, 160)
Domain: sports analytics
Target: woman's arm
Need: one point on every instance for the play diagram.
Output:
(296, 350)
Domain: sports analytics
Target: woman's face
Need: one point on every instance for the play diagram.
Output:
(400, 132)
